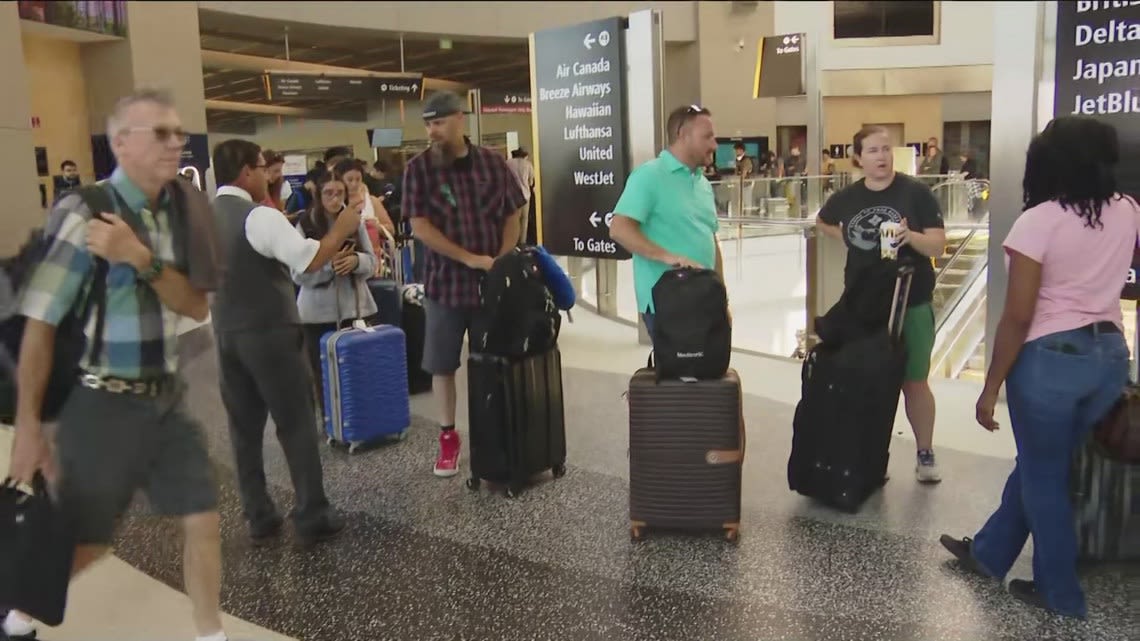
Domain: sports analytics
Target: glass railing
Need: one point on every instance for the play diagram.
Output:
(764, 229)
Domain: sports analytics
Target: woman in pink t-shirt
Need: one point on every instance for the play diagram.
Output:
(1059, 349)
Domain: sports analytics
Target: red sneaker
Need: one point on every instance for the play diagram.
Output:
(447, 464)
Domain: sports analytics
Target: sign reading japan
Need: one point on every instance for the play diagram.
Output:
(1098, 75)
(579, 107)
(308, 86)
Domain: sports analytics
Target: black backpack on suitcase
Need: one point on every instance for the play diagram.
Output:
(692, 336)
(841, 432)
(518, 316)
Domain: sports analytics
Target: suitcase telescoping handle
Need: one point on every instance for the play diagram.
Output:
(899, 301)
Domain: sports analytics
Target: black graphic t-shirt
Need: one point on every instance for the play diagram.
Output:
(860, 211)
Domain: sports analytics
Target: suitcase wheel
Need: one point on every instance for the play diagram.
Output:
(353, 448)
(558, 470)
(732, 533)
(330, 441)
(636, 534)
(473, 484)
(512, 491)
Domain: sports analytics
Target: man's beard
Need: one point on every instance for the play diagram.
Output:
(443, 153)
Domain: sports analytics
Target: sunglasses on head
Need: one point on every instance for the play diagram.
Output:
(696, 110)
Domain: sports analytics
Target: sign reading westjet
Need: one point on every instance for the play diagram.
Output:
(580, 135)
(1098, 75)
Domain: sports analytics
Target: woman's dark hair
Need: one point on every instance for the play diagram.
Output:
(316, 222)
(1074, 163)
(857, 142)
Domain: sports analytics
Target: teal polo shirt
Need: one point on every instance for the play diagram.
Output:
(676, 210)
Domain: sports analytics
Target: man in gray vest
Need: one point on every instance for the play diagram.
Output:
(263, 369)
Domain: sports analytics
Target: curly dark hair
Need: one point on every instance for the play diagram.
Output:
(1073, 161)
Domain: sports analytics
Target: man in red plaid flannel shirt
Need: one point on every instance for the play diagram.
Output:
(462, 200)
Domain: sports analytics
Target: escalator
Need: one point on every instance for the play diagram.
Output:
(960, 305)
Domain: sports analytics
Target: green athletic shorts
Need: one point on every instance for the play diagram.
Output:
(918, 335)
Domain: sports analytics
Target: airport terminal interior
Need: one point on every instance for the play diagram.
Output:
(960, 87)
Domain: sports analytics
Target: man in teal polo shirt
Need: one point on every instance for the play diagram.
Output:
(666, 216)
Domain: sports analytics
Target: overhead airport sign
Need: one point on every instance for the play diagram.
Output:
(579, 79)
(505, 102)
(290, 85)
(779, 66)
(1096, 76)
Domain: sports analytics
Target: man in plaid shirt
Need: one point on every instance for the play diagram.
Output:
(461, 199)
(125, 426)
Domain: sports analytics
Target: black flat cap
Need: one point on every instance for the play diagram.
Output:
(442, 104)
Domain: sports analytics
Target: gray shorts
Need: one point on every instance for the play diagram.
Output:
(444, 333)
(111, 445)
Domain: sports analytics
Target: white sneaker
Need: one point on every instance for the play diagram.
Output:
(926, 468)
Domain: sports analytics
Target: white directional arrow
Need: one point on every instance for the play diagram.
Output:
(595, 219)
(589, 41)
(795, 39)
(415, 86)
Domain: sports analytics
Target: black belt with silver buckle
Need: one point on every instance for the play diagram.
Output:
(143, 387)
(1102, 327)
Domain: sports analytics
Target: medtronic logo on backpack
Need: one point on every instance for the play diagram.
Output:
(690, 354)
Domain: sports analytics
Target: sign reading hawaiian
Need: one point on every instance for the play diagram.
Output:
(579, 75)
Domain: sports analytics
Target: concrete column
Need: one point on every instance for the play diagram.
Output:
(162, 50)
(18, 179)
(1018, 49)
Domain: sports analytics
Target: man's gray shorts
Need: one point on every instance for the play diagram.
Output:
(111, 445)
(446, 327)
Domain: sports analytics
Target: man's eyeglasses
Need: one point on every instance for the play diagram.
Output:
(164, 134)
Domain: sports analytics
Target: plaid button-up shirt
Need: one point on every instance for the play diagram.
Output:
(140, 338)
(469, 201)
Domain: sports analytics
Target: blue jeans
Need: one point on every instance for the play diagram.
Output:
(1060, 386)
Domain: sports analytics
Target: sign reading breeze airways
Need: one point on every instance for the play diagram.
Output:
(579, 101)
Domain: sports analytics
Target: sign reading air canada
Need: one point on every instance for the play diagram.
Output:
(779, 66)
(504, 102)
(307, 86)
(579, 104)
(1098, 76)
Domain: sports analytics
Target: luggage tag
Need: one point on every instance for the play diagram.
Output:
(360, 324)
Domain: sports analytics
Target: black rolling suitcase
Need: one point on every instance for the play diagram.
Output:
(842, 427)
(516, 418)
(414, 323)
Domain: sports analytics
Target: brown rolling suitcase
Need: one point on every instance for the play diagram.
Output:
(686, 453)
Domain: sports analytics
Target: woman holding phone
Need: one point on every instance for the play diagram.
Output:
(372, 211)
(337, 294)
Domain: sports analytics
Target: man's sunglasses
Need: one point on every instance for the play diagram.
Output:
(697, 110)
(164, 134)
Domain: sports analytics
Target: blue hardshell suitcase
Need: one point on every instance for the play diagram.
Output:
(364, 376)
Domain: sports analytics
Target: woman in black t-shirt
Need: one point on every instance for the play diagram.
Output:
(854, 215)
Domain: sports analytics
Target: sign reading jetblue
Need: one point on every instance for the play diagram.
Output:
(579, 106)
(779, 66)
(307, 86)
(1098, 75)
(505, 102)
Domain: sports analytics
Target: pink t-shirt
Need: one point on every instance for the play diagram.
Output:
(1082, 269)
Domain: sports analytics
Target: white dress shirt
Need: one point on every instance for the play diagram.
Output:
(271, 234)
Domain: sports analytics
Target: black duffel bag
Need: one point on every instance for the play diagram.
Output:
(692, 334)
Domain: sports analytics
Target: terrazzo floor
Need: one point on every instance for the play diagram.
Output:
(425, 558)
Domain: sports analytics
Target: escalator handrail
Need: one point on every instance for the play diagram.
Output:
(960, 293)
(954, 257)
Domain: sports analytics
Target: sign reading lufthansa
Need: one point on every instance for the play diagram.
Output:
(579, 101)
(1098, 76)
(307, 86)
(779, 66)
